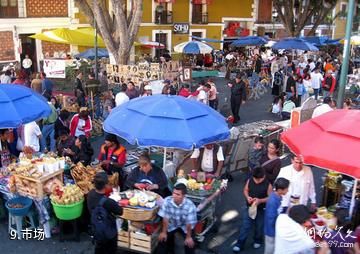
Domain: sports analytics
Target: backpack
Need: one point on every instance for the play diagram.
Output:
(103, 225)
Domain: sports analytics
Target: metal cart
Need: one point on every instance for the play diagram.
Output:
(206, 206)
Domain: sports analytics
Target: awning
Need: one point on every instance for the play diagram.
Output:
(80, 37)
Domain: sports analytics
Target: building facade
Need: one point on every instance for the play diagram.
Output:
(268, 23)
(166, 21)
(21, 18)
(174, 21)
(340, 12)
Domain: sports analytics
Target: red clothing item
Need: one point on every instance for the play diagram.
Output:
(186, 93)
(119, 152)
(74, 123)
(333, 83)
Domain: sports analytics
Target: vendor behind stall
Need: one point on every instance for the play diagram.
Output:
(209, 159)
(5, 155)
(81, 151)
(148, 176)
(112, 156)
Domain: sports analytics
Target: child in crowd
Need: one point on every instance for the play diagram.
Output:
(256, 153)
(289, 105)
(272, 210)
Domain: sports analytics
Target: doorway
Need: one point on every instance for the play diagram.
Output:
(28, 46)
(161, 38)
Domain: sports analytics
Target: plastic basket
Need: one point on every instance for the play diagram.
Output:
(68, 212)
(25, 201)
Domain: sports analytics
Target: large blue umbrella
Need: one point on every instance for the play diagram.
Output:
(167, 121)
(90, 53)
(294, 43)
(20, 105)
(249, 41)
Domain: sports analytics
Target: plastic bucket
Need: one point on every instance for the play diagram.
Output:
(25, 201)
(68, 212)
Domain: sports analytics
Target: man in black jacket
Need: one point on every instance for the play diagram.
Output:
(108, 246)
(238, 95)
(79, 90)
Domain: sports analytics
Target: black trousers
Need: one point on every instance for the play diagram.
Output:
(235, 107)
(106, 247)
(168, 246)
(213, 104)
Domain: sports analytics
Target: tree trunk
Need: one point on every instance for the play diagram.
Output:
(118, 33)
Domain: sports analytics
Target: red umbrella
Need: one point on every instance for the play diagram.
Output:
(330, 141)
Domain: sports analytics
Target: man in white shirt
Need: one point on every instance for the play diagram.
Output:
(311, 64)
(26, 64)
(301, 188)
(32, 136)
(316, 79)
(203, 95)
(290, 232)
(121, 97)
(302, 65)
(209, 159)
(325, 107)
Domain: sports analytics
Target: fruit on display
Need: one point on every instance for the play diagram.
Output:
(136, 198)
(133, 201)
(67, 195)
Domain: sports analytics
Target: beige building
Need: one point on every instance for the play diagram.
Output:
(340, 12)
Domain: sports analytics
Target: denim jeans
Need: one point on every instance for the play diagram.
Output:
(316, 93)
(247, 224)
(48, 130)
(326, 93)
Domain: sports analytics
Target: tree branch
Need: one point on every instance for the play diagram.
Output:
(136, 20)
(103, 26)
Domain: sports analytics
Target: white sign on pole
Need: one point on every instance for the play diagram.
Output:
(54, 68)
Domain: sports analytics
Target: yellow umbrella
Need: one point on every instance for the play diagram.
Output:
(355, 40)
(81, 37)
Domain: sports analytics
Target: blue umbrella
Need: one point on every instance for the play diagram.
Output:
(249, 41)
(20, 105)
(318, 41)
(167, 121)
(294, 43)
(90, 53)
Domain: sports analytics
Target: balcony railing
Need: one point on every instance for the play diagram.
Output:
(164, 17)
(201, 18)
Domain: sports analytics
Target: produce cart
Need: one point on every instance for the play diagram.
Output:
(205, 195)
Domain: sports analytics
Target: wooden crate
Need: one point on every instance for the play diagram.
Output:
(38, 184)
(124, 239)
(144, 243)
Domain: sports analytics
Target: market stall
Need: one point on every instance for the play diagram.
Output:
(191, 125)
(338, 128)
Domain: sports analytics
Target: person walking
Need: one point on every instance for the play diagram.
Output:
(46, 86)
(238, 95)
(48, 130)
(256, 192)
(79, 90)
(281, 187)
(302, 187)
